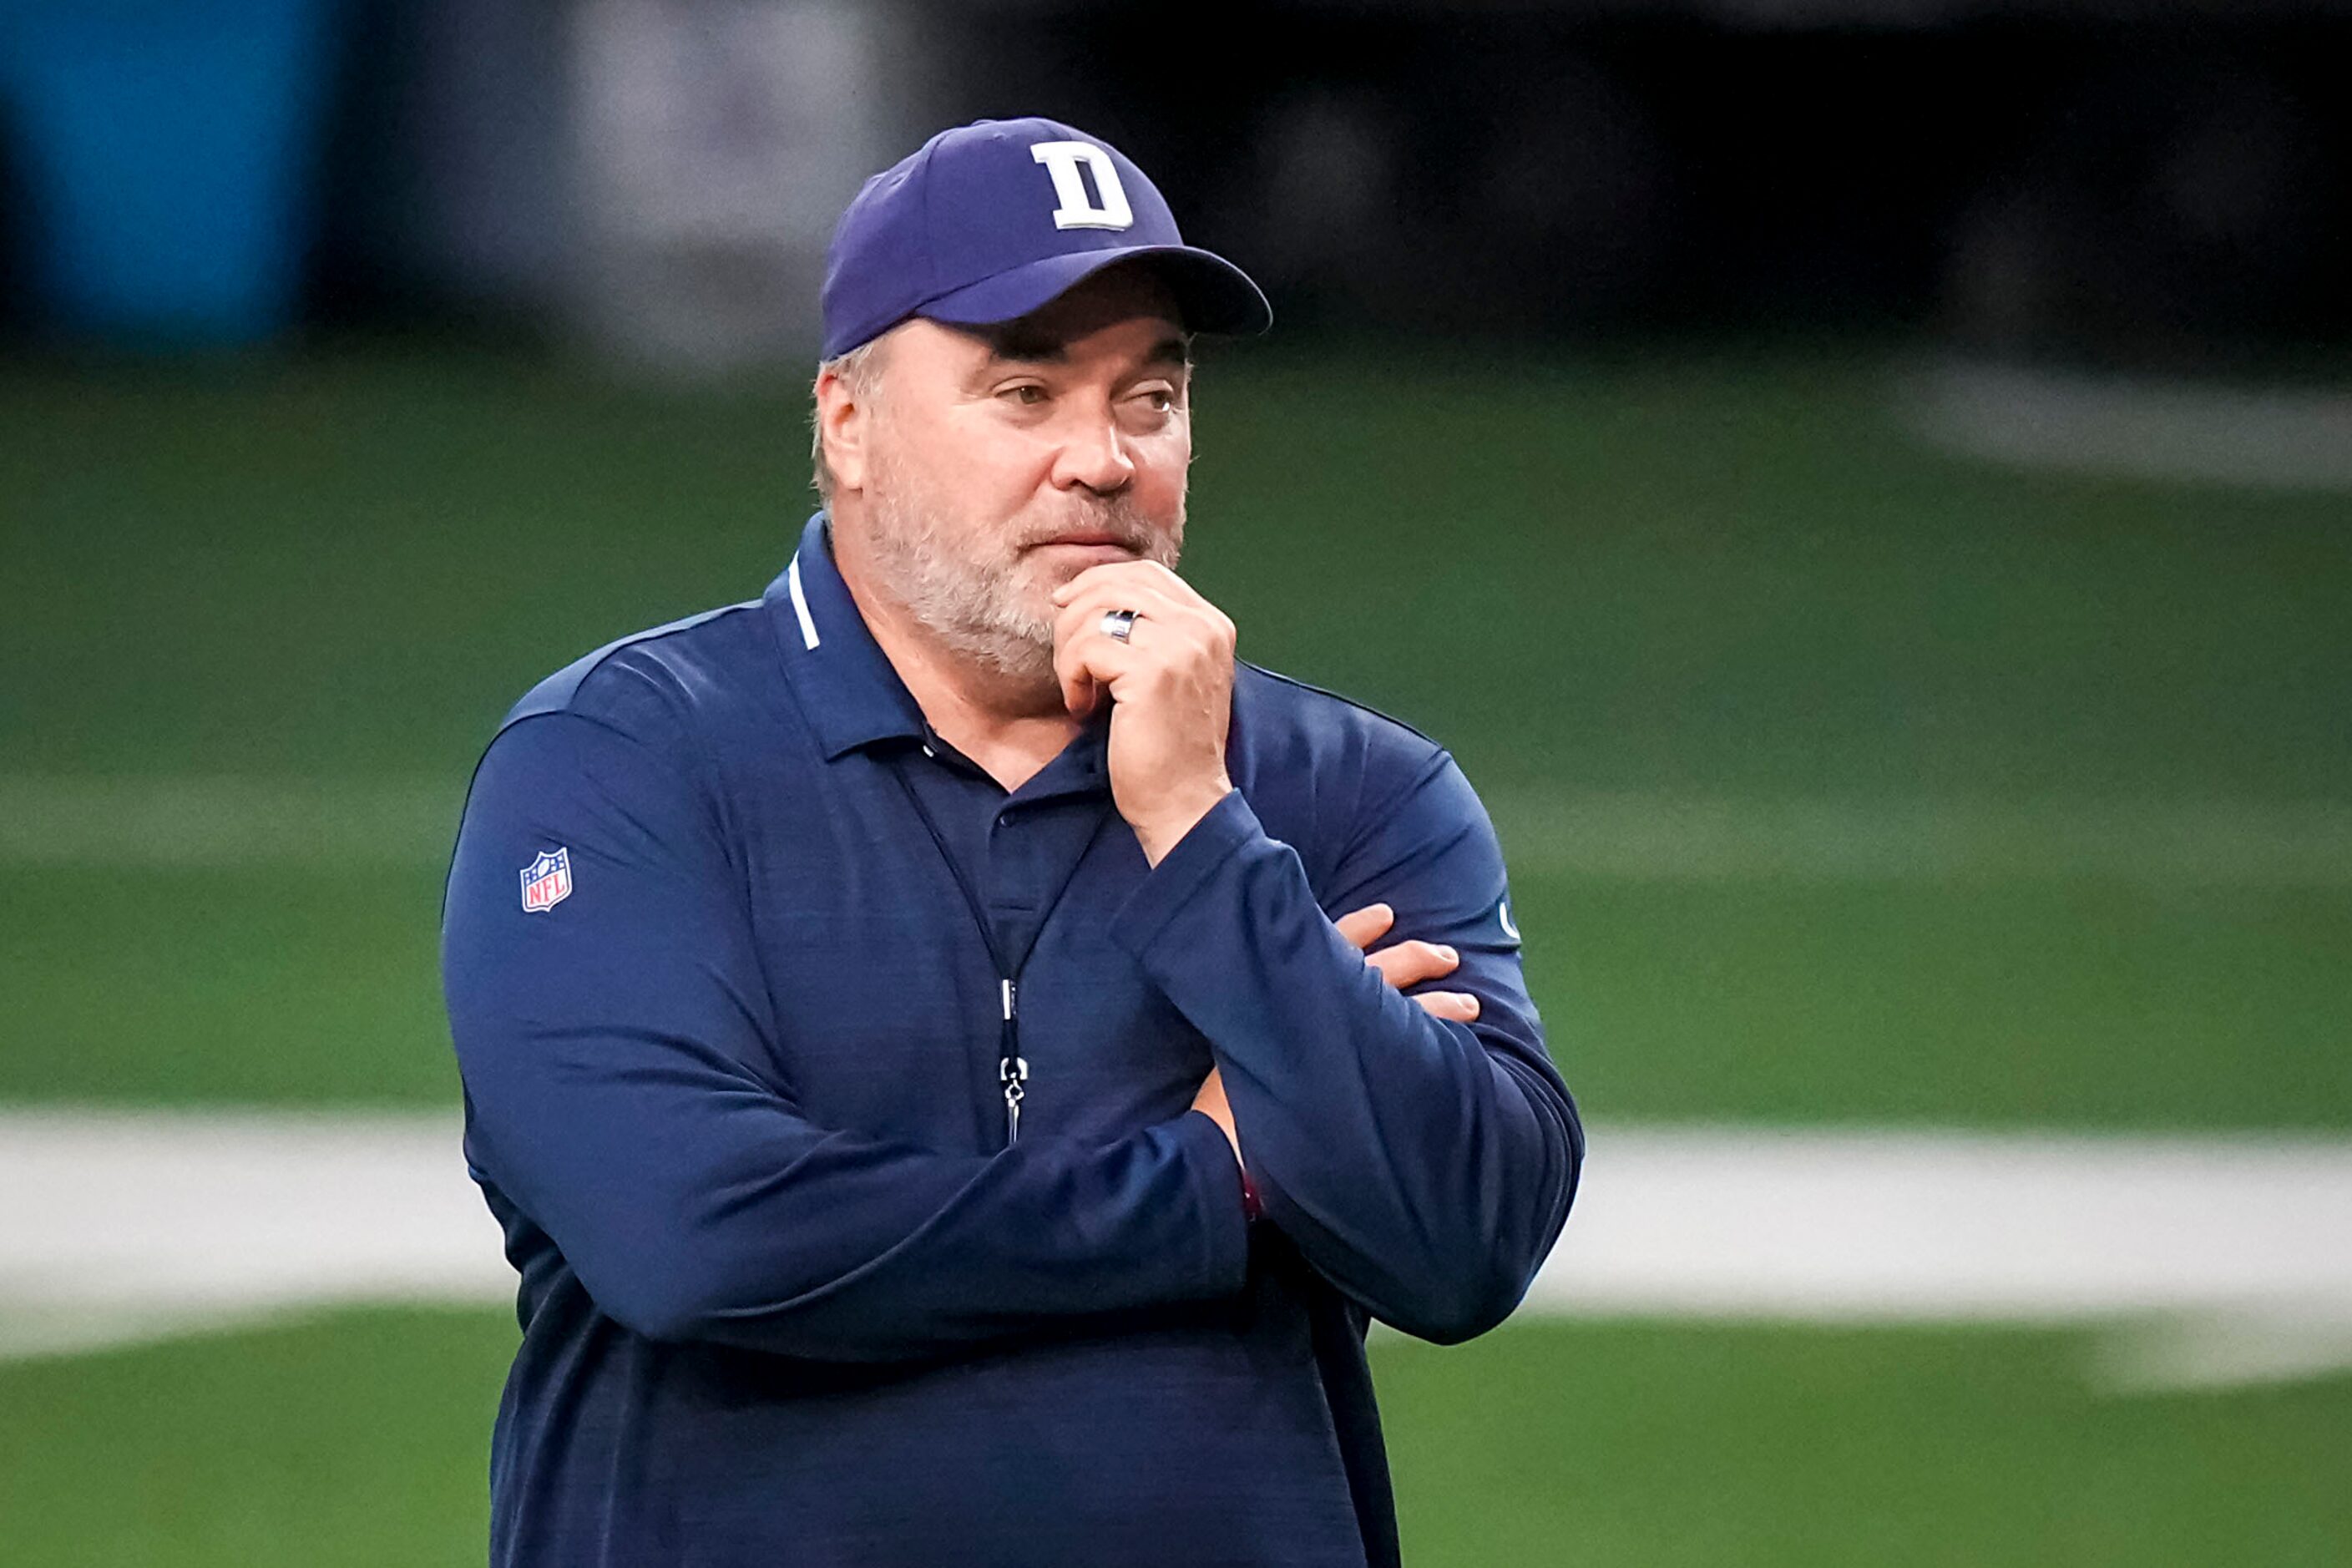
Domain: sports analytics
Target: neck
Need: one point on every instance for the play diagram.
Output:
(1010, 728)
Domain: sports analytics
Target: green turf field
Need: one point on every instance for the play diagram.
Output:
(309, 589)
(361, 1438)
(1734, 577)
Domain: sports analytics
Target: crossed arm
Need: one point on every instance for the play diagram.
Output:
(612, 1096)
(1422, 1159)
(1402, 964)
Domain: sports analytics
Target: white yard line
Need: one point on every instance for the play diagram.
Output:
(127, 1225)
(225, 821)
(2217, 1258)
(2135, 426)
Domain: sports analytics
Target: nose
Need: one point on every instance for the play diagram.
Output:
(1093, 455)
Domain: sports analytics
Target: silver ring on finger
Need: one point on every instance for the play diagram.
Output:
(1120, 624)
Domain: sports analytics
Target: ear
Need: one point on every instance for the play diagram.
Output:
(842, 423)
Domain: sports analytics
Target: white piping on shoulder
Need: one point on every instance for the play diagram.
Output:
(800, 601)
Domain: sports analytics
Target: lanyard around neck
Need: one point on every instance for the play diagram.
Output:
(1013, 1069)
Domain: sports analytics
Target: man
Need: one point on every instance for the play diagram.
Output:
(933, 1117)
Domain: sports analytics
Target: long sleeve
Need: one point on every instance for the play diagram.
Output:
(617, 1057)
(1425, 1167)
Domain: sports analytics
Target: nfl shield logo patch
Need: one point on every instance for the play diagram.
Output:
(546, 881)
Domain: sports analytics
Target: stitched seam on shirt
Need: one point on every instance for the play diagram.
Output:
(1340, 697)
(668, 689)
(673, 697)
(604, 655)
(1359, 832)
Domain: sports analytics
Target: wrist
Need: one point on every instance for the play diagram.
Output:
(1163, 832)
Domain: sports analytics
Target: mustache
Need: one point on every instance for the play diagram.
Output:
(1122, 522)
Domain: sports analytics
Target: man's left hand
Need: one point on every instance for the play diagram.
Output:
(1173, 681)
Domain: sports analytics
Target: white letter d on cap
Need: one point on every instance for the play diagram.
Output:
(1061, 160)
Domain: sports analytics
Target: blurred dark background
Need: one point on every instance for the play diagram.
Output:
(2092, 180)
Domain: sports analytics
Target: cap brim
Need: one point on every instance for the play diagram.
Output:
(1213, 295)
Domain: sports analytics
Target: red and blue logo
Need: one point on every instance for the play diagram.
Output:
(546, 881)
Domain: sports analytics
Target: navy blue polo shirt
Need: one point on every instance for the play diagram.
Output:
(726, 946)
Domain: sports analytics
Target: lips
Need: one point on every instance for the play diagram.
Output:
(1087, 541)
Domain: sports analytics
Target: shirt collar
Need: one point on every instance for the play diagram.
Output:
(851, 694)
(846, 686)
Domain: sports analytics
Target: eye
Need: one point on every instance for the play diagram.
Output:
(1159, 399)
(1027, 394)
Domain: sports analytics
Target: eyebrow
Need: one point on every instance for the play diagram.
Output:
(1032, 347)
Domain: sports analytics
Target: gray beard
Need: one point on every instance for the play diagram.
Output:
(977, 608)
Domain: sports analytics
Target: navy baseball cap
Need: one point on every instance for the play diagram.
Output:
(990, 220)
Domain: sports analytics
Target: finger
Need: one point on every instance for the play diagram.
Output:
(1086, 657)
(1453, 1006)
(1364, 927)
(1158, 596)
(1410, 963)
(1132, 572)
(1077, 682)
(1123, 583)
(1087, 666)
(1083, 617)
